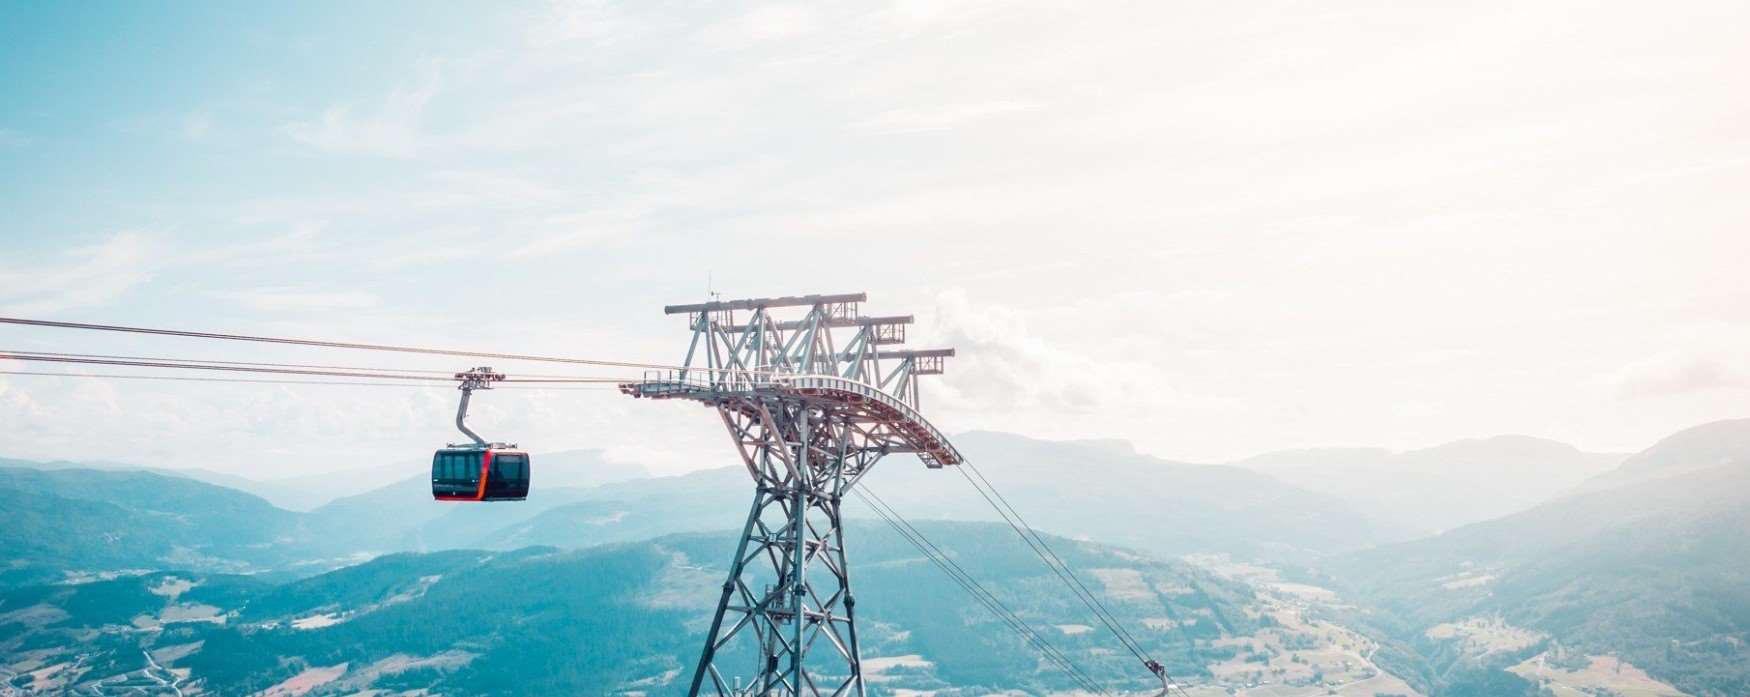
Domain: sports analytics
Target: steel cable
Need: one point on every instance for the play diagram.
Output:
(1060, 568)
(215, 361)
(255, 381)
(965, 580)
(321, 343)
(222, 368)
(238, 367)
(261, 381)
(60, 354)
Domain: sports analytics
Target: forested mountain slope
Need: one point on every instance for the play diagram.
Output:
(67, 522)
(1656, 571)
(609, 619)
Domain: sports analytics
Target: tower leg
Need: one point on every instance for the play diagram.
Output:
(850, 603)
(784, 609)
(729, 587)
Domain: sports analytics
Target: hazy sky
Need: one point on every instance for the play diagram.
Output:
(1212, 229)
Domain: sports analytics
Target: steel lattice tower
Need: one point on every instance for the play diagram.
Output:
(810, 417)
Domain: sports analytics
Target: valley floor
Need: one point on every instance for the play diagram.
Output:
(1302, 656)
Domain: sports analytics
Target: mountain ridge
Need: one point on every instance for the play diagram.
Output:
(1444, 486)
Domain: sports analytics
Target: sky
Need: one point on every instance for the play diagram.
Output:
(1212, 230)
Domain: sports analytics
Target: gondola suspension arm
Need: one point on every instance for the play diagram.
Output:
(476, 379)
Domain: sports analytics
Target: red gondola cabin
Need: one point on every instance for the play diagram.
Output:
(479, 474)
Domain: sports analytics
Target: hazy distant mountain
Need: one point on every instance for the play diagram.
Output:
(579, 499)
(61, 520)
(275, 493)
(1110, 493)
(1656, 571)
(565, 468)
(1100, 490)
(702, 501)
(62, 523)
(305, 492)
(402, 516)
(1717, 444)
(614, 620)
(1442, 487)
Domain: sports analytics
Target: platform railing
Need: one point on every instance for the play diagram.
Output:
(833, 382)
(708, 379)
(700, 381)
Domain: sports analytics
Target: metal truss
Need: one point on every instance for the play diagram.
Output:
(738, 354)
(810, 416)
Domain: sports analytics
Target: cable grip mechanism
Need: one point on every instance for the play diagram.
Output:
(475, 379)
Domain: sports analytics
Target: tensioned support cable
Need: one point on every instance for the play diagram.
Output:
(238, 367)
(1062, 570)
(321, 343)
(260, 381)
(977, 590)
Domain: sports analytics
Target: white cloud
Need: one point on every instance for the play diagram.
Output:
(423, 257)
(1700, 356)
(89, 275)
(484, 189)
(301, 299)
(17, 405)
(572, 231)
(1678, 372)
(1003, 365)
(392, 129)
(941, 118)
(598, 22)
(10, 138)
(760, 25)
(197, 125)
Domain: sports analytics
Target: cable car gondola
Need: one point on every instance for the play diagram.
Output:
(478, 471)
(496, 472)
